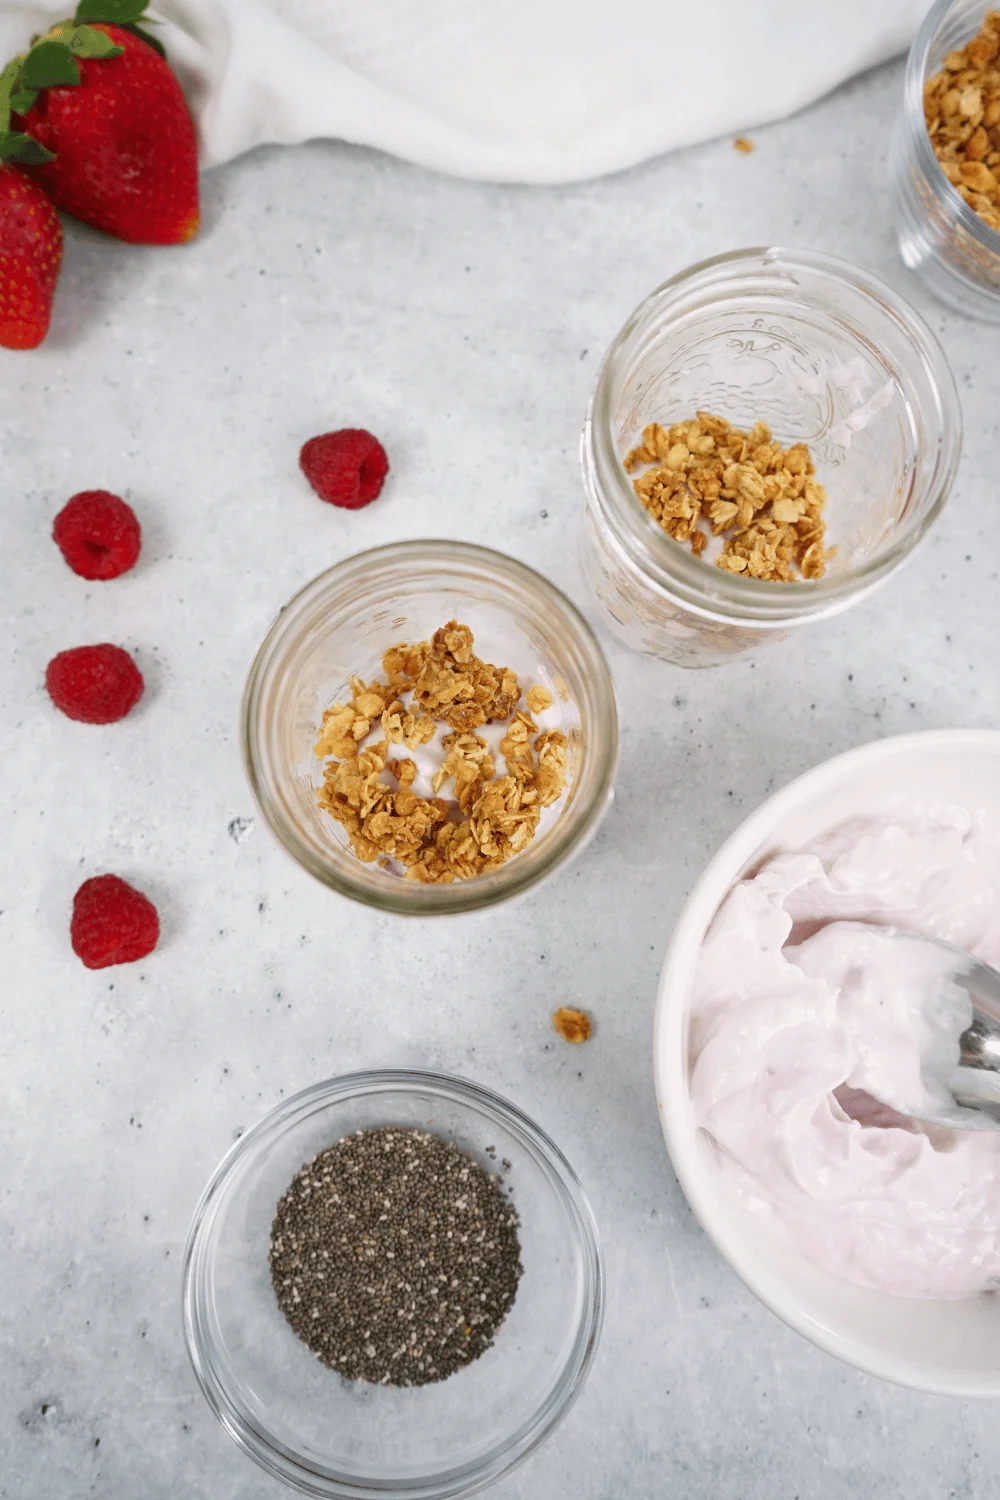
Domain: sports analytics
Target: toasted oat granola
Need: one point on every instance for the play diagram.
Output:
(572, 1025)
(705, 476)
(962, 109)
(488, 818)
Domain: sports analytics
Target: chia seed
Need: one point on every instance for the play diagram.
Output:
(395, 1256)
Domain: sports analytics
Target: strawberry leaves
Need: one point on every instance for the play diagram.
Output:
(87, 41)
(119, 12)
(49, 63)
(14, 144)
(123, 13)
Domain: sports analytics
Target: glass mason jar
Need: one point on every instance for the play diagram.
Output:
(942, 240)
(339, 625)
(826, 355)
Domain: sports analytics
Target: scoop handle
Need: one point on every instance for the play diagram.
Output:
(980, 1044)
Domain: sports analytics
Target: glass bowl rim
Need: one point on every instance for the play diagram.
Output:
(733, 597)
(409, 898)
(915, 77)
(449, 1484)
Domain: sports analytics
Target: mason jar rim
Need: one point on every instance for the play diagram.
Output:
(913, 104)
(411, 898)
(714, 593)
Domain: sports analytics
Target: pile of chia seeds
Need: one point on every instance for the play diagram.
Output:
(395, 1256)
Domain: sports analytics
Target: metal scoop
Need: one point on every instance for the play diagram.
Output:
(975, 1083)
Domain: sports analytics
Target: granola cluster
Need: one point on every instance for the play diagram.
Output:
(762, 499)
(962, 108)
(572, 1025)
(488, 818)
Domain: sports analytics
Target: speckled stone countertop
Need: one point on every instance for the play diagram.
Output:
(463, 323)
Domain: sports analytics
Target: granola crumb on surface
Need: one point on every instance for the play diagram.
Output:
(572, 1025)
(962, 110)
(745, 144)
(487, 818)
(705, 477)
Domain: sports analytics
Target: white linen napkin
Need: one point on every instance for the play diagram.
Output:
(509, 90)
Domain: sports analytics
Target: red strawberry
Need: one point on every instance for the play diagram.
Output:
(30, 256)
(106, 106)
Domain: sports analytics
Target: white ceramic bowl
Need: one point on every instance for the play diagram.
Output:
(951, 1347)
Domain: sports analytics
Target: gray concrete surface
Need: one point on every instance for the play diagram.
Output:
(463, 323)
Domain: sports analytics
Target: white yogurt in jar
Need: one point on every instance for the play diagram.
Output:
(813, 1045)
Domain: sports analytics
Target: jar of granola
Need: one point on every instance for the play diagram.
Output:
(792, 348)
(946, 157)
(430, 728)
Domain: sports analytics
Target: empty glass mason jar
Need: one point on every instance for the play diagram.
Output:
(826, 355)
(942, 239)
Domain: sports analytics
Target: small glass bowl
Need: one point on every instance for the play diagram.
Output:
(342, 622)
(825, 354)
(942, 240)
(328, 1436)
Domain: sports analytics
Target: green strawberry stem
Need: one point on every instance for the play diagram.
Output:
(123, 13)
(50, 62)
(15, 145)
(118, 12)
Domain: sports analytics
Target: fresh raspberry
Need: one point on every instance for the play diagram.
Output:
(95, 684)
(345, 468)
(112, 923)
(97, 534)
